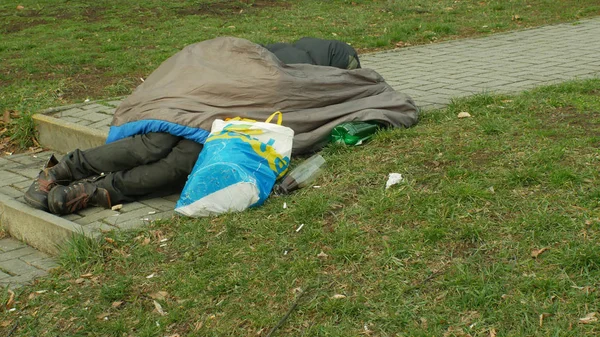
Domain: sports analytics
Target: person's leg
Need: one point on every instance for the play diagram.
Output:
(121, 155)
(164, 176)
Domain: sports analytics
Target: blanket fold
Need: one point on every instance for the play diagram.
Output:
(229, 77)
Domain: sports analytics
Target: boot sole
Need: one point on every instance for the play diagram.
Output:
(36, 204)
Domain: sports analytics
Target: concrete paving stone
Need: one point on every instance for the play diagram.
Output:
(172, 197)
(446, 92)
(17, 282)
(37, 255)
(4, 161)
(75, 120)
(104, 213)
(131, 206)
(100, 227)
(29, 172)
(90, 211)
(94, 116)
(10, 244)
(427, 87)
(9, 178)
(103, 125)
(122, 218)
(4, 275)
(11, 191)
(435, 100)
(28, 160)
(23, 184)
(19, 268)
(114, 103)
(133, 224)
(144, 221)
(72, 217)
(160, 204)
(74, 112)
(91, 106)
(17, 253)
(44, 264)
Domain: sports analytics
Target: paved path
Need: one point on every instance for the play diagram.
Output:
(502, 63)
(20, 264)
(432, 75)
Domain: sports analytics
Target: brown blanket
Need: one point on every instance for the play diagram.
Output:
(230, 77)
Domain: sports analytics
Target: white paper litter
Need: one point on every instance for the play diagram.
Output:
(393, 179)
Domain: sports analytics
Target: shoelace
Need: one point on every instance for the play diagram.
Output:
(78, 202)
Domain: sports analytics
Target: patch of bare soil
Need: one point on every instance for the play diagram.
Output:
(226, 8)
(93, 14)
(10, 27)
(570, 116)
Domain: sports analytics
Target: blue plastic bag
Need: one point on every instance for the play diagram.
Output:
(237, 168)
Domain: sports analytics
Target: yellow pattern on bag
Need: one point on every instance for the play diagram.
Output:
(277, 163)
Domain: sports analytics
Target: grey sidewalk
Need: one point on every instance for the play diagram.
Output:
(19, 263)
(432, 75)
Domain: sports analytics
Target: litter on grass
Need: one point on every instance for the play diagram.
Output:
(393, 179)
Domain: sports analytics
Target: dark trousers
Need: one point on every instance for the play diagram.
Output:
(133, 167)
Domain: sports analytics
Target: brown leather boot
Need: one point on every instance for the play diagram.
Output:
(79, 195)
(53, 173)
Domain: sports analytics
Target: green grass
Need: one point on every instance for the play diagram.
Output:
(56, 52)
(447, 252)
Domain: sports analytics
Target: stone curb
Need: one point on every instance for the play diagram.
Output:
(64, 136)
(39, 229)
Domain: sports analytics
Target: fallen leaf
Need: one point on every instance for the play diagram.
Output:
(160, 295)
(117, 304)
(79, 280)
(338, 296)
(463, 114)
(322, 255)
(456, 332)
(159, 308)
(19, 7)
(117, 207)
(589, 318)
(492, 332)
(11, 300)
(110, 240)
(542, 316)
(103, 316)
(4, 324)
(537, 252)
(88, 275)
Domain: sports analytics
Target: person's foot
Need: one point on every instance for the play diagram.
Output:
(53, 173)
(79, 195)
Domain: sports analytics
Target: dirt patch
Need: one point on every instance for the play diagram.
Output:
(226, 8)
(481, 158)
(93, 14)
(29, 13)
(17, 26)
(570, 116)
